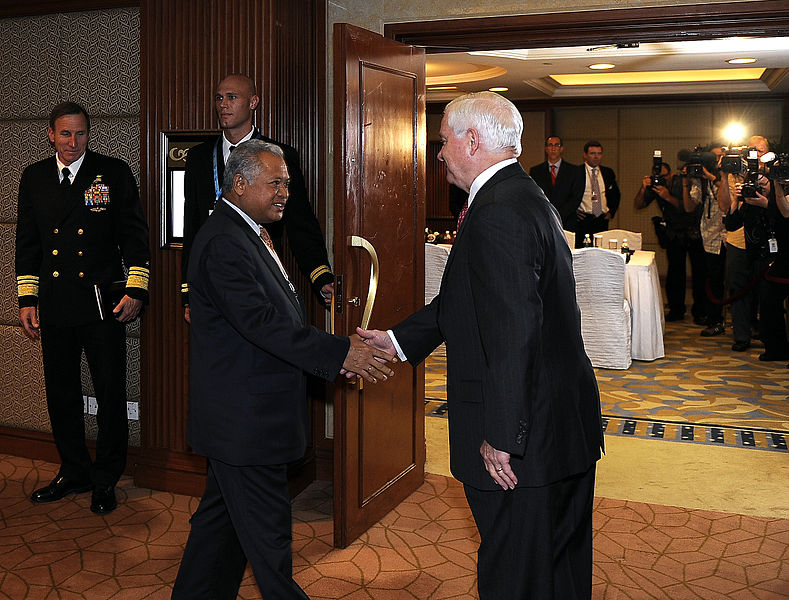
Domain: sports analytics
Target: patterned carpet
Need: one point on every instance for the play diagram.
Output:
(701, 392)
(425, 549)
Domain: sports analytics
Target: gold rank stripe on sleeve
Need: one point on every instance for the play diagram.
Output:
(184, 288)
(138, 277)
(27, 285)
(318, 272)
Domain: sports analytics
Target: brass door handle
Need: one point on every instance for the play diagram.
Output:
(356, 241)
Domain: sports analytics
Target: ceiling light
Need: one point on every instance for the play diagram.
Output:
(601, 66)
(641, 77)
(741, 61)
(498, 89)
(734, 133)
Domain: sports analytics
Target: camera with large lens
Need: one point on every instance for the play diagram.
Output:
(696, 161)
(734, 160)
(749, 187)
(776, 166)
(657, 178)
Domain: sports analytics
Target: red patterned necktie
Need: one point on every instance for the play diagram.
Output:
(553, 174)
(462, 215)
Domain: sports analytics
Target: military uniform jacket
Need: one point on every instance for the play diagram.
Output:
(69, 240)
(304, 233)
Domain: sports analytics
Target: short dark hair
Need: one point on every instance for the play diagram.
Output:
(67, 108)
(561, 143)
(668, 166)
(591, 143)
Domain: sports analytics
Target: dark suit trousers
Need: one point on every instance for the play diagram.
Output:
(243, 514)
(536, 543)
(104, 343)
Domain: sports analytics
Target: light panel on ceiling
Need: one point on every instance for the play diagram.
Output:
(658, 76)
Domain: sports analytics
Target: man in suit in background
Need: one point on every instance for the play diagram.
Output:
(251, 348)
(79, 221)
(236, 101)
(600, 196)
(524, 411)
(560, 182)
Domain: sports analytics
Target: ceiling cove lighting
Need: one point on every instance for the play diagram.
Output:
(741, 61)
(658, 76)
(498, 89)
(601, 66)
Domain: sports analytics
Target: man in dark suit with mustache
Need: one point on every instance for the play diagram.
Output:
(79, 221)
(524, 411)
(251, 349)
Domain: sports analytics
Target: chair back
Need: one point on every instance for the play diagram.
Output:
(570, 236)
(435, 261)
(633, 238)
(599, 280)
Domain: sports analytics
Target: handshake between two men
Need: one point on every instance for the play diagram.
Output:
(367, 359)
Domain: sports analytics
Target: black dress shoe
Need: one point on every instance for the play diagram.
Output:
(740, 346)
(58, 488)
(713, 330)
(766, 356)
(103, 500)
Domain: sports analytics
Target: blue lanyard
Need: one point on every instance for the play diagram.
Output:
(217, 189)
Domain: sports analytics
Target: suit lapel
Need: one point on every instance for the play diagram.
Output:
(499, 176)
(265, 256)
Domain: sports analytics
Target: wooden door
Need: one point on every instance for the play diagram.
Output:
(379, 166)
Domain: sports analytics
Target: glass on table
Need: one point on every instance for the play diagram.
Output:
(598, 240)
(612, 244)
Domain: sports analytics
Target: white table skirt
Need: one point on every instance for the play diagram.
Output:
(642, 291)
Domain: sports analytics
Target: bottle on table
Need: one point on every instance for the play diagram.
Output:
(587, 243)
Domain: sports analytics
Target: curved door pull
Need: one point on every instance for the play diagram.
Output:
(359, 242)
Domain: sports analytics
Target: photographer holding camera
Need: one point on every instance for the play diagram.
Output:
(678, 233)
(755, 212)
(700, 190)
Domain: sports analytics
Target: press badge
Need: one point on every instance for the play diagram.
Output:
(773, 244)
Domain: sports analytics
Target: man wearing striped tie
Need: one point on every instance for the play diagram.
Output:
(79, 222)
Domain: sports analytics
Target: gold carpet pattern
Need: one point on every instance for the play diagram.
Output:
(701, 392)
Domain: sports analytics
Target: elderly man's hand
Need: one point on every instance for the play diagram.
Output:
(367, 361)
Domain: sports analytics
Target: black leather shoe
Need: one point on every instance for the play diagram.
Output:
(765, 356)
(740, 346)
(58, 488)
(713, 330)
(103, 500)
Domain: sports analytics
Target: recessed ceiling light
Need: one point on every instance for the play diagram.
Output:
(741, 61)
(601, 66)
(498, 89)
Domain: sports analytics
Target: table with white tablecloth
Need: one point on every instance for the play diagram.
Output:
(642, 291)
(435, 260)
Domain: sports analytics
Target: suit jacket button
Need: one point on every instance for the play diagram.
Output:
(80, 231)
(81, 274)
(56, 231)
(79, 253)
(55, 274)
(55, 252)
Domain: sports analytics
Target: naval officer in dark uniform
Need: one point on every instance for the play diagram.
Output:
(235, 101)
(79, 221)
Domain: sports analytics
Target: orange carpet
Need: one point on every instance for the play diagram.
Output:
(425, 549)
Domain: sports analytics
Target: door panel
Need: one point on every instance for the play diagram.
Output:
(379, 449)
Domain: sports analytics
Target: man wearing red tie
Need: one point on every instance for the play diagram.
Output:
(600, 197)
(524, 411)
(560, 182)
